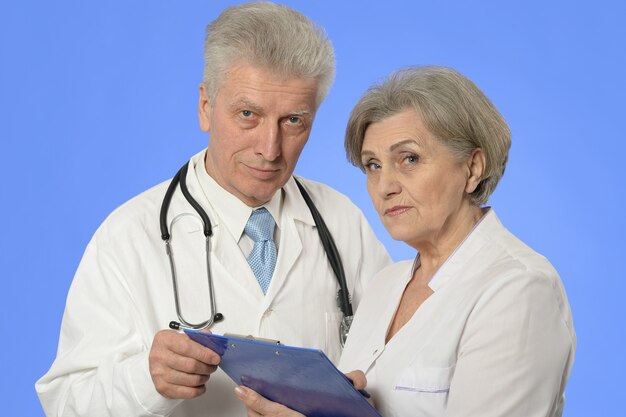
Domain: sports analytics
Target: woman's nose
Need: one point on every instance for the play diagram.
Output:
(388, 184)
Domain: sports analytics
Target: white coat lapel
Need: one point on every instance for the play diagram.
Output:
(370, 328)
(228, 262)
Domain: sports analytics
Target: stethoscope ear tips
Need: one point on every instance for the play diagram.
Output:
(218, 317)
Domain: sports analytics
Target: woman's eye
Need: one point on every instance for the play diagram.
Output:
(371, 166)
(411, 159)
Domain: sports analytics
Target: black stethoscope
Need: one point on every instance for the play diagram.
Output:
(343, 296)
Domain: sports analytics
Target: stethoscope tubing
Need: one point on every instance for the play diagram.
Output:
(180, 178)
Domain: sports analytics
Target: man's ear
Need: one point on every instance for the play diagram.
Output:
(476, 168)
(204, 110)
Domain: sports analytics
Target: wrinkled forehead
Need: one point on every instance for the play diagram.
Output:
(262, 73)
(247, 80)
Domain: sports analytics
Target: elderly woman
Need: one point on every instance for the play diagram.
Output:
(478, 324)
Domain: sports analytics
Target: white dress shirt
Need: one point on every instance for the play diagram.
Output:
(122, 295)
(495, 339)
(235, 213)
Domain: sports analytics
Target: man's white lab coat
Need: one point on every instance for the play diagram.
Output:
(122, 295)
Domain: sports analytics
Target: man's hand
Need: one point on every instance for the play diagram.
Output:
(179, 366)
(258, 405)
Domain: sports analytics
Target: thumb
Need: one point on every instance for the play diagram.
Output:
(261, 405)
(251, 399)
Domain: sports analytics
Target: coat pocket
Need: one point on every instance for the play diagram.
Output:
(421, 392)
(427, 380)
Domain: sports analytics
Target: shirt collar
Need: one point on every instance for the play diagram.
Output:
(233, 212)
(465, 250)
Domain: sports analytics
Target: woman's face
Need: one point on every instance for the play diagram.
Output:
(418, 187)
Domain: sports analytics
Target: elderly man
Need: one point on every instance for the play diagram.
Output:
(263, 267)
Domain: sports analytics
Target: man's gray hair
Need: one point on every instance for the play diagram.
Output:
(451, 107)
(269, 36)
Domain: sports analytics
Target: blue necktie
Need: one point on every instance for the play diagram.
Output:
(262, 259)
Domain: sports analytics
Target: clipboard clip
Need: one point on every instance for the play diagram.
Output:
(254, 339)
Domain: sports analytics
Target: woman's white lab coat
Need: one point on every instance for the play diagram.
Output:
(495, 339)
(122, 295)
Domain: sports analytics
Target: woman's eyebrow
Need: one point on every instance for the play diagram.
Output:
(402, 143)
(393, 147)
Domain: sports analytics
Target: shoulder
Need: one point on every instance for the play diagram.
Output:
(360, 250)
(494, 249)
(139, 214)
(336, 208)
(324, 195)
(340, 214)
(515, 276)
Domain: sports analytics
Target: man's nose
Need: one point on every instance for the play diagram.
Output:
(269, 142)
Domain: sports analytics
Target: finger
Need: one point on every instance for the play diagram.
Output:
(184, 346)
(252, 413)
(189, 365)
(162, 360)
(262, 406)
(203, 353)
(174, 375)
(250, 398)
(180, 392)
(358, 379)
(184, 379)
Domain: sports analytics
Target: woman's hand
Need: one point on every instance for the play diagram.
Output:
(258, 405)
(360, 382)
(358, 379)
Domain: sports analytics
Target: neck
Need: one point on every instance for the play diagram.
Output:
(434, 252)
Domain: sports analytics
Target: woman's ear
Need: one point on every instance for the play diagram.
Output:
(476, 168)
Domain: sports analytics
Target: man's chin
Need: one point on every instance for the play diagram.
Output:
(262, 192)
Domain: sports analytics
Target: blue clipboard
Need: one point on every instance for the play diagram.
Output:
(303, 379)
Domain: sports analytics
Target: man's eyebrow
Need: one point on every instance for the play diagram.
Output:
(247, 104)
(299, 113)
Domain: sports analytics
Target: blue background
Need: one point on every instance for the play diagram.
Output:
(98, 102)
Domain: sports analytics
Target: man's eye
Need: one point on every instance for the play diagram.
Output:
(294, 120)
(246, 113)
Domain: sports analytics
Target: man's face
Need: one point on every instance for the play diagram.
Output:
(258, 124)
